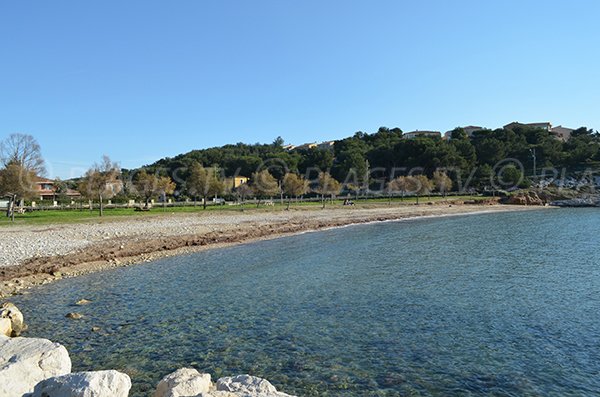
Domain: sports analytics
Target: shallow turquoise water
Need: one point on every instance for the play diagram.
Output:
(493, 304)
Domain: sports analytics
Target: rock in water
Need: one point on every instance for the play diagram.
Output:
(24, 362)
(74, 316)
(82, 302)
(183, 383)
(249, 386)
(10, 311)
(85, 384)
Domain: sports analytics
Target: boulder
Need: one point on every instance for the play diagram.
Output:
(517, 200)
(85, 384)
(249, 386)
(10, 311)
(525, 198)
(24, 362)
(533, 199)
(5, 327)
(185, 382)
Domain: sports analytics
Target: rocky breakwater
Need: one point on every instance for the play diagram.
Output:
(35, 367)
(591, 201)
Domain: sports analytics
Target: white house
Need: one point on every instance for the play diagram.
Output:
(421, 134)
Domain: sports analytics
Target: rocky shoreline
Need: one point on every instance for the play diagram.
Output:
(137, 241)
(36, 367)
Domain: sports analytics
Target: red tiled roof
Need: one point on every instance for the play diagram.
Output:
(39, 179)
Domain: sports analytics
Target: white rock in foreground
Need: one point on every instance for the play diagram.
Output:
(5, 327)
(249, 386)
(24, 362)
(9, 311)
(85, 384)
(185, 382)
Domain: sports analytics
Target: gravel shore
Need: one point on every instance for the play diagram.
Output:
(32, 255)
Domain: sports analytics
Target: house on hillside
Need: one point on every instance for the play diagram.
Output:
(239, 180)
(45, 189)
(306, 146)
(562, 133)
(543, 125)
(469, 130)
(421, 134)
(235, 182)
(326, 145)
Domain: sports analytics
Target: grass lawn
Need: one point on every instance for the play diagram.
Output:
(41, 217)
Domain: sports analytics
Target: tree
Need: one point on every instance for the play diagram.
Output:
(490, 151)
(17, 183)
(23, 150)
(60, 190)
(21, 157)
(350, 161)
(165, 186)
(314, 160)
(101, 181)
(204, 182)
(404, 185)
(424, 186)
(510, 177)
(294, 185)
(243, 192)
(264, 185)
(148, 186)
(458, 134)
(327, 185)
(442, 182)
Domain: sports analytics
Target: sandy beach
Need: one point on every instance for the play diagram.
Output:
(34, 255)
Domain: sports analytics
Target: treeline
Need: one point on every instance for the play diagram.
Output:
(371, 161)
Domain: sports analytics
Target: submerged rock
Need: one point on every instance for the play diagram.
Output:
(24, 362)
(185, 382)
(82, 302)
(74, 316)
(85, 384)
(10, 311)
(249, 386)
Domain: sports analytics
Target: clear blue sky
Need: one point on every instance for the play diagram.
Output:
(142, 80)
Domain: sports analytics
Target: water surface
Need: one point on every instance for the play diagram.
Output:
(501, 304)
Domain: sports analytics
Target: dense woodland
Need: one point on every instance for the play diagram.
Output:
(377, 158)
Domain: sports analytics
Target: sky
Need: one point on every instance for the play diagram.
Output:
(143, 80)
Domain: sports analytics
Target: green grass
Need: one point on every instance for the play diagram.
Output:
(42, 217)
